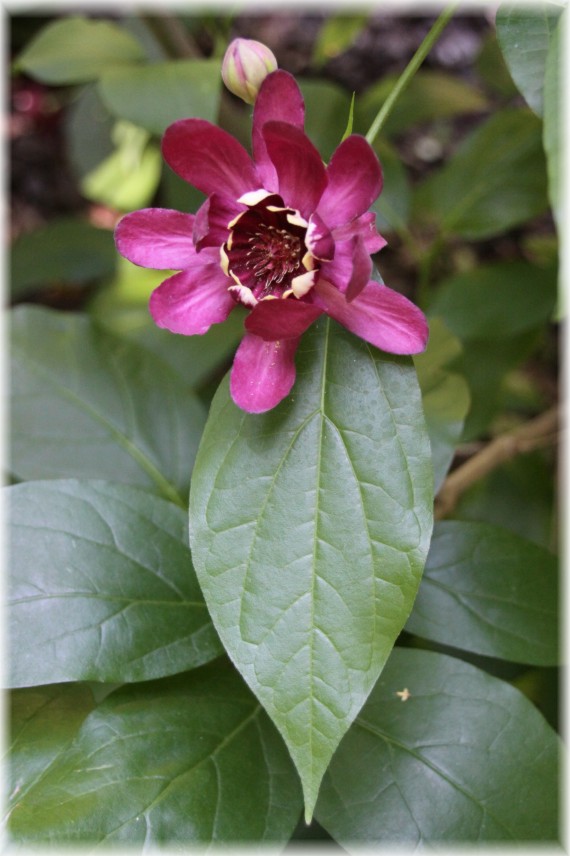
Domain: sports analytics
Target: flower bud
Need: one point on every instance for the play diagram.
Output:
(246, 65)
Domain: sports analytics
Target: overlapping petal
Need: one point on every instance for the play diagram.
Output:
(378, 315)
(158, 238)
(365, 228)
(301, 175)
(354, 182)
(212, 220)
(281, 319)
(191, 301)
(279, 100)
(209, 158)
(263, 372)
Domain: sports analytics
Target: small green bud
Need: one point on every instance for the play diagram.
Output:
(246, 65)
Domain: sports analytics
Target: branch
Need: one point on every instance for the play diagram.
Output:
(538, 432)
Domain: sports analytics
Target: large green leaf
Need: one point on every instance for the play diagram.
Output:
(156, 95)
(180, 762)
(524, 33)
(463, 758)
(103, 575)
(309, 527)
(553, 117)
(43, 723)
(445, 397)
(497, 300)
(488, 591)
(85, 403)
(495, 180)
(63, 251)
(75, 50)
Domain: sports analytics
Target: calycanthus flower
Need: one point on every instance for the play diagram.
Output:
(281, 234)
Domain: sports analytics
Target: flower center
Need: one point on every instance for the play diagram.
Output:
(266, 255)
(274, 253)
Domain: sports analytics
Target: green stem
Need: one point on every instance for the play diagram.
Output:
(410, 70)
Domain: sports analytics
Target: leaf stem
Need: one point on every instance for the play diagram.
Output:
(541, 431)
(410, 70)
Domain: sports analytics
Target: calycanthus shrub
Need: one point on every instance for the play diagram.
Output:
(224, 669)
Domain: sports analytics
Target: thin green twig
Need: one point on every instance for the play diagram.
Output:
(410, 70)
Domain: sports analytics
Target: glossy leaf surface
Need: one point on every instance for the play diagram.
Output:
(488, 591)
(87, 404)
(176, 762)
(75, 50)
(442, 762)
(43, 723)
(309, 527)
(102, 586)
(495, 180)
(524, 34)
(156, 95)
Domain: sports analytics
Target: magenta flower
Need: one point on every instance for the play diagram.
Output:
(281, 234)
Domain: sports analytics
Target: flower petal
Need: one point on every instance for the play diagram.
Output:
(301, 175)
(208, 158)
(379, 315)
(279, 100)
(212, 220)
(263, 373)
(281, 319)
(354, 182)
(351, 267)
(319, 240)
(191, 301)
(361, 269)
(365, 227)
(158, 238)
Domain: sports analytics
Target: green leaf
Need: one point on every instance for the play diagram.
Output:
(497, 300)
(103, 604)
(43, 723)
(90, 405)
(492, 68)
(444, 765)
(129, 177)
(393, 204)
(156, 95)
(88, 131)
(63, 251)
(336, 35)
(350, 121)
(327, 106)
(518, 496)
(488, 591)
(553, 111)
(184, 761)
(309, 527)
(76, 50)
(494, 181)
(524, 34)
(485, 364)
(430, 95)
(445, 396)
